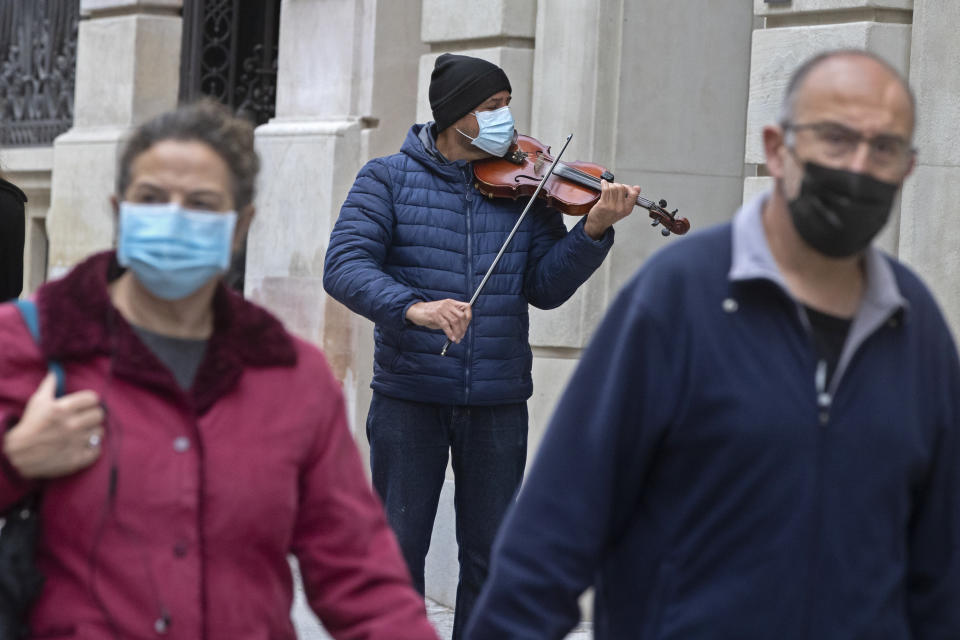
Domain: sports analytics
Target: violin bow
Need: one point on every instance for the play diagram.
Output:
(506, 243)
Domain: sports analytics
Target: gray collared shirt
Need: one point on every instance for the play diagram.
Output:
(752, 260)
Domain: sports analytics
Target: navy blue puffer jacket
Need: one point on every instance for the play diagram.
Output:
(414, 229)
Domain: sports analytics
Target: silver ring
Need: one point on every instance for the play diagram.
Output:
(94, 440)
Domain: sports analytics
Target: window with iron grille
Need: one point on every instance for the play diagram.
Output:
(38, 60)
(230, 54)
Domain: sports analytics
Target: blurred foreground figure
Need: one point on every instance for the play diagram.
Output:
(761, 441)
(12, 235)
(199, 442)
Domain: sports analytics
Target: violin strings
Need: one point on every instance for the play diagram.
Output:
(565, 170)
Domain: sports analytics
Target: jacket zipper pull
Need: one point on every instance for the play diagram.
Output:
(824, 399)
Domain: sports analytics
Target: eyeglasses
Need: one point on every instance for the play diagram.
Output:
(839, 142)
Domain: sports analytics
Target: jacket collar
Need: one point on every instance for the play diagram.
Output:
(753, 260)
(78, 321)
(421, 145)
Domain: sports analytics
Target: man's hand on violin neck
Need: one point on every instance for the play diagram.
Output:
(615, 203)
(450, 316)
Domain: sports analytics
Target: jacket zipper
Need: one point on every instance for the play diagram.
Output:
(824, 402)
(468, 358)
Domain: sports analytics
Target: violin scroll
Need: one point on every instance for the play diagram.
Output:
(669, 219)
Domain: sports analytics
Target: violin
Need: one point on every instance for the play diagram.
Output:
(573, 188)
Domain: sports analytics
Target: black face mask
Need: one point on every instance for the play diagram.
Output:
(839, 212)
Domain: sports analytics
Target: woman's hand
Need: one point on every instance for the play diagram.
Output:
(56, 436)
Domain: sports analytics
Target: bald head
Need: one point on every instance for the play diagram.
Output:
(845, 76)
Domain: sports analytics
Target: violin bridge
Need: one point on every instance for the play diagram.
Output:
(538, 163)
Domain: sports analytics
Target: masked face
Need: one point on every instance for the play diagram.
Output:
(496, 129)
(177, 224)
(839, 212)
(174, 251)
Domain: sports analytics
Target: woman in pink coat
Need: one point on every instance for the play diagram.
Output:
(198, 442)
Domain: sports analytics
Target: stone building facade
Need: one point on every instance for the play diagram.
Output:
(670, 94)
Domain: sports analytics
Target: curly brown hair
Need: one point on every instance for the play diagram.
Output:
(203, 121)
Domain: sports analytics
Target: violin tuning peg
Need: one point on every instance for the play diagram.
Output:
(665, 232)
(663, 203)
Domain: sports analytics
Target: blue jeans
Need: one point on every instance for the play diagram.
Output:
(409, 445)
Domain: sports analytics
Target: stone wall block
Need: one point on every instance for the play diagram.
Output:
(754, 186)
(88, 7)
(128, 69)
(576, 88)
(929, 235)
(308, 170)
(453, 20)
(935, 58)
(393, 96)
(681, 108)
(81, 220)
(516, 62)
(778, 52)
(322, 57)
(571, 324)
(763, 8)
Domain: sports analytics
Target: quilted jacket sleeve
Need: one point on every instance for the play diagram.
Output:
(353, 271)
(559, 262)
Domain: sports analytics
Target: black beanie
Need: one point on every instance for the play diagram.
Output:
(459, 84)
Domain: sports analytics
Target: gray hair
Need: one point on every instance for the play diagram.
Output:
(204, 121)
(787, 107)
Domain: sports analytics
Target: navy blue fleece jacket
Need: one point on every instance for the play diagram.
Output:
(710, 486)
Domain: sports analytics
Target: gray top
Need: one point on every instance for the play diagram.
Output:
(752, 260)
(182, 356)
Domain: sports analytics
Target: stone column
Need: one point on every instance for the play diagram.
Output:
(791, 33)
(128, 70)
(346, 89)
(929, 226)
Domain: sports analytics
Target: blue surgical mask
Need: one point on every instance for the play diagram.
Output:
(173, 251)
(496, 131)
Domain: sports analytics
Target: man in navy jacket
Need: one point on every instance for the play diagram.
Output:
(762, 442)
(412, 243)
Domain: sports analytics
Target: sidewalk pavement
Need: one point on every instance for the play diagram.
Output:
(442, 618)
(308, 627)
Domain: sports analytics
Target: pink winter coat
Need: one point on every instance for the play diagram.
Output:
(197, 498)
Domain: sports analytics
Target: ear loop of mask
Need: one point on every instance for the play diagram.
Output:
(474, 114)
